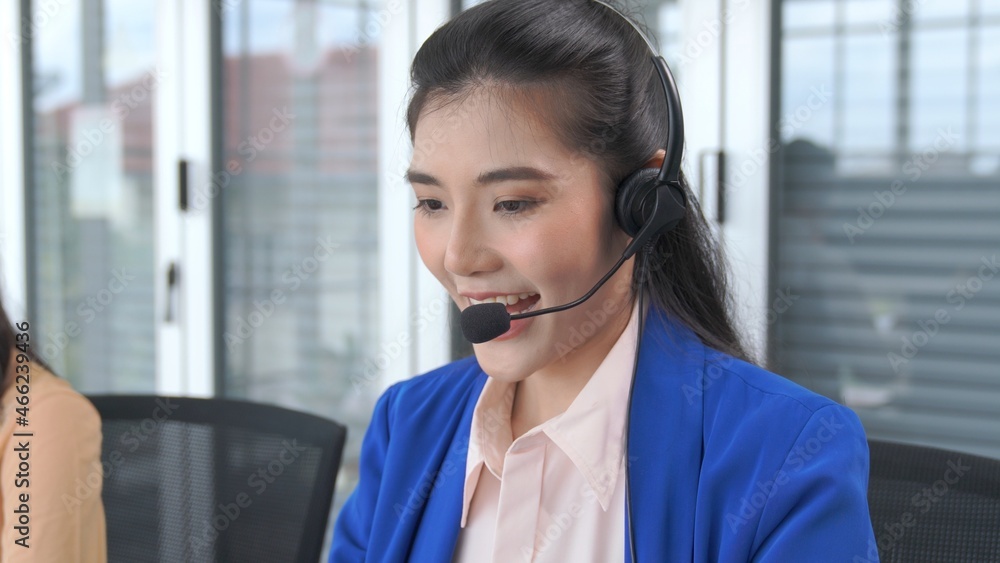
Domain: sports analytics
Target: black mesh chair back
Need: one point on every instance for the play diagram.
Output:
(205, 480)
(928, 504)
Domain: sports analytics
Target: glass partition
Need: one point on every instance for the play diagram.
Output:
(94, 81)
(299, 236)
(888, 225)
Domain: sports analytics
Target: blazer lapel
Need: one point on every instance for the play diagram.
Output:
(437, 532)
(665, 440)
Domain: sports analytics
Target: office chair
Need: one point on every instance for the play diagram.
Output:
(929, 504)
(200, 480)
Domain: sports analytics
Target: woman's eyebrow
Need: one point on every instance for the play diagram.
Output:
(490, 177)
(513, 173)
(416, 177)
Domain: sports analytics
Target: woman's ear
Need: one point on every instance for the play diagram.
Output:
(657, 160)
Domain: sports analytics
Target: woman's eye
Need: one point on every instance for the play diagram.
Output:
(513, 207)
(428, 206)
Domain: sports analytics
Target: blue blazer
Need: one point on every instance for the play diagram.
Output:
(727, 461)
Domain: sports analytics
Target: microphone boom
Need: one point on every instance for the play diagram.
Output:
(486, 321)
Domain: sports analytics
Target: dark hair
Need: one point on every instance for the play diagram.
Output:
(589, 76)
(7, 342)
(8, 351)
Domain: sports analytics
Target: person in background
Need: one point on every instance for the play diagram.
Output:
(58, 491)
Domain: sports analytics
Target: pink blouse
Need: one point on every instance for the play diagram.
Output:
(557, 493)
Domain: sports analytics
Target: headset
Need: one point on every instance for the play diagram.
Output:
(650, 202)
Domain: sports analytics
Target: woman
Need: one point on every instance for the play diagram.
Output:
(526, 115)
(50, 467)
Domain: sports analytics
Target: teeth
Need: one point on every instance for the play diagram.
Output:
(505, 299)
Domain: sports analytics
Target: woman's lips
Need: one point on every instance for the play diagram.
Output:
(517, 326)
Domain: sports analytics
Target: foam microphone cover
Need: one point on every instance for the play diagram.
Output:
(484, 322)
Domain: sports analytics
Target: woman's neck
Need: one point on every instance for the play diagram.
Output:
(550, 391)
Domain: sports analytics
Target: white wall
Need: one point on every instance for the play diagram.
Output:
(413, 320)
(745, 138)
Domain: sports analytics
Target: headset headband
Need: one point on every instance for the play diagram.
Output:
(670, 170)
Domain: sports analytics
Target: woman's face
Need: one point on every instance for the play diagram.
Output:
(505, 211)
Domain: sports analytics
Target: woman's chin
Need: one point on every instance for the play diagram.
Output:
(502, 367)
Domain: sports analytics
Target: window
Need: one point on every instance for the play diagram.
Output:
(888, 228)
(305, 259)
(91, 191)
(299, 236)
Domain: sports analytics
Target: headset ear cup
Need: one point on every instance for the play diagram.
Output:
(629, 209)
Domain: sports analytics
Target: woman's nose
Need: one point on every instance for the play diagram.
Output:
(470, 248)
